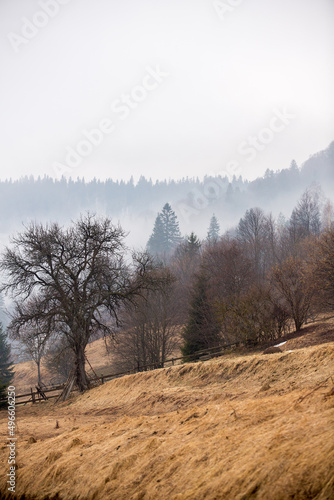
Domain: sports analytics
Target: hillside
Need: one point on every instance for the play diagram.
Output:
(25, 375)
(236, 427)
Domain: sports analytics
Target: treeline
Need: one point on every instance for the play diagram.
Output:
(46, 199)
(253, 285)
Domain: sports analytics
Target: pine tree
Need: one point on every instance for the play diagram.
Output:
(166, 233)
(294, 167)
(202, 329)
(172, 235)
(155, 244)
(6, 372)
(189, 248)
(213, 231)
(193, 245)
(193, 241)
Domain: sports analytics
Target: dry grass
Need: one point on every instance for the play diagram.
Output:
(102, 363)
(26, 373)
(25, 376)
(238, 427)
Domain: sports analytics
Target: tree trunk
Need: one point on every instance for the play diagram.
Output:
(80, 373)
(298, 323)
(39, 373)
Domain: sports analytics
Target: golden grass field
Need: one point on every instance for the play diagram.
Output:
(237, 427)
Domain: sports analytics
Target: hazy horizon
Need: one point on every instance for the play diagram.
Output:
(163, 89)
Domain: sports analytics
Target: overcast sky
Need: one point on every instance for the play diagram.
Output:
(176, 87)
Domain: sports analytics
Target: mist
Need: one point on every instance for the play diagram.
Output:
(163, 89)
(135, 205)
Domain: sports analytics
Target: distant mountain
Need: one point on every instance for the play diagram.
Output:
(319, 167)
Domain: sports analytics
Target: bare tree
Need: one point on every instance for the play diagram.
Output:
(59, 359)
(305, 219)
(327, 220)
(34, 345)
(323, 265)
(253, 317)
(247, 309)
(272, 230)
(150, 329)
(295, 285)
(76, 279)
(230, 270)
(252, 230)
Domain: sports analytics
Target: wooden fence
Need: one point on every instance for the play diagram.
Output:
(45, 393)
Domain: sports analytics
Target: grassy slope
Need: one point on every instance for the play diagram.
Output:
(25, 375)
(235, 427)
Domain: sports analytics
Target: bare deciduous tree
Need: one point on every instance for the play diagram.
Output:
(76, 279)
(323, 259)
(305, 219)
(230, 270)
(295, 285)
(34, 345)
(327, 220)
(150, 333)
(253, 230)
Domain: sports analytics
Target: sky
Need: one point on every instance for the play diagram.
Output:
(163, 88)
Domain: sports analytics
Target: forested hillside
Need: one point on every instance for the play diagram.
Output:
(136, 205)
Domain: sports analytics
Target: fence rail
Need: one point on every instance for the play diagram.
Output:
(203, 355)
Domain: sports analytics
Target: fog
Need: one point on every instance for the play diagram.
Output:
(163, 89)
(135, 205)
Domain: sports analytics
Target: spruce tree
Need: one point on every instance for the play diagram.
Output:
(6, 372)
(202, 329)
(189, 248)
(213, 231)
(166, 233)
(193, 244)
(294, 167)
(155, 244)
